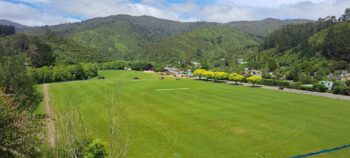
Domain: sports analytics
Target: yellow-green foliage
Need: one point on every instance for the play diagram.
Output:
(220, 75)
(236, 77)
(254, 79)
(199, 72)
(208, 74)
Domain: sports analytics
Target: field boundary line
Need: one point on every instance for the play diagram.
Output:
(322, 151)
(172, 89)
(49, 118)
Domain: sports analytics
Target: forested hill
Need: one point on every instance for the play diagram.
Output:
(123, 36)
(205, 44)
(16, 25)
(264, 27)
(120, 34)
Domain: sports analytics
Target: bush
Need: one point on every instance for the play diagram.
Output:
(20, 131)
(341, 90)
(268, 82)
(307, 88)
(140, 66)
(95, 149)
(282, 83)
(64, 73)
(113, 65)
(279, 83)
(296, 85)
(348, 83)
(319, 87)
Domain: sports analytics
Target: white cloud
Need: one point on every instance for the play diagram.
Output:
(57, 11)
(26, 15)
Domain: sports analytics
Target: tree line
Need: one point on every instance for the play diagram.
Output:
(6, 30)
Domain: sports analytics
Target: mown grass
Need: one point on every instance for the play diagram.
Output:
(208, 119)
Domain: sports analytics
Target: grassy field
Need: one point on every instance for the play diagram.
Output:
(187, 118)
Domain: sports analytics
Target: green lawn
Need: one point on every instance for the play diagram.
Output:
(187, 118)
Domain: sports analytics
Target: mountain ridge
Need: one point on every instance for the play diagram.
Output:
(16, 25)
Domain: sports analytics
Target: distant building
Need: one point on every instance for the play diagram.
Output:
(256, 73)
(328, 84)
(345, 75)
(196, 64)
(241, 61)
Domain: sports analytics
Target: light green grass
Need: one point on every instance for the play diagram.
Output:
(209, 119)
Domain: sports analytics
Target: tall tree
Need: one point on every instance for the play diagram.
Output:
(15, 82)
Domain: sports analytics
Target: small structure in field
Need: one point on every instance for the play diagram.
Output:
(256, 73)
(241, 61)
(196, 64)
(344, 76)
(328, 84)
(148, 71)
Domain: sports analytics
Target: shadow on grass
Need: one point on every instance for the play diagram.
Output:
(255, 86)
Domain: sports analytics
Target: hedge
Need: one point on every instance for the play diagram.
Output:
(341, 90)
(279, 83)
(64, 73)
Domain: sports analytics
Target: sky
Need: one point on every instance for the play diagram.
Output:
(51, 12)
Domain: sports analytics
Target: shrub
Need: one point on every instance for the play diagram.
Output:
(296, 85)
(282, 83)
(95, 149)
(208, 74)
(268, 82)
(235, 77)
(254, 79)
(319, 87)
(199, 73)
(140, 66)
(20, 131)
(348, 83)
(220, 76)
(64, 73)
(307, 88)
(341, 90)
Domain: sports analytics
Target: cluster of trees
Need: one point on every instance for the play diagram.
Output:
(85, 71)
(220, 76)
(6, 30)
(20, 128)
(38, 53)
(291, 36)
(64, 72)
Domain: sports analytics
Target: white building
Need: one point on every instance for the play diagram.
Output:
(328, 84)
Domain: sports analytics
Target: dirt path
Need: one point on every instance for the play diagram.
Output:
(49, 117)
(328, 95)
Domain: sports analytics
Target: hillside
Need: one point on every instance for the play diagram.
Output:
(63, 50)
(264, 27)
(16, 25)
(206, 43)
(121, 36)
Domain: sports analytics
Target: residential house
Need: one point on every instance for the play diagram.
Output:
(328, 84)
(256, 73)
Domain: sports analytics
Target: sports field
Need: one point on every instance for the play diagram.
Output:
(188, 118)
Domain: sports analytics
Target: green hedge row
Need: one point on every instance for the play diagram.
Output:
(279, 83)
(295, 85)
(64, 73)
(85, 71)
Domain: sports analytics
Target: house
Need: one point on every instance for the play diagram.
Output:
(345, 75)
(256, 73)
(196, 64)
(328, 84)
(241, 61)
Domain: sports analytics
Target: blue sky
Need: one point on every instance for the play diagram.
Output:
(50, 12)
